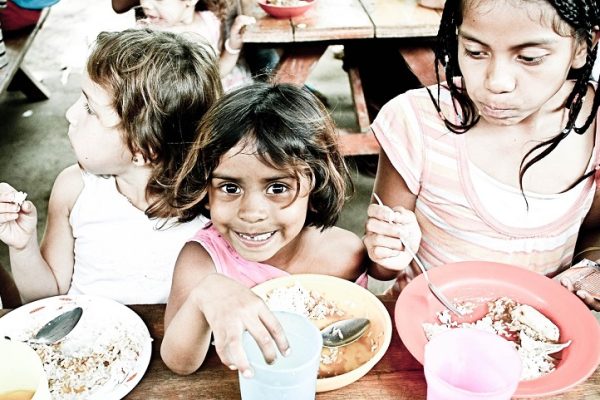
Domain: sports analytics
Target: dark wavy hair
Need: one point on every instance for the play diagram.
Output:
(574, 18)
(288, 127)
(162, 84)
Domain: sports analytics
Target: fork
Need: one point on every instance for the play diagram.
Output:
(434, 289)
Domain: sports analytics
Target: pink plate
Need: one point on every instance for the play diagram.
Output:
(479, 282)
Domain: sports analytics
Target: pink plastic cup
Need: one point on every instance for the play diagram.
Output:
(466, 364)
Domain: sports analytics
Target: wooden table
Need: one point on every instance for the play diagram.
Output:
(15, 75)
(304, 39)
(397, 376)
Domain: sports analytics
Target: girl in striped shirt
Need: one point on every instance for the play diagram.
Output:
(498, 162)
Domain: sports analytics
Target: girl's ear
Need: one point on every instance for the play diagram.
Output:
(580, 57)
(581, 52)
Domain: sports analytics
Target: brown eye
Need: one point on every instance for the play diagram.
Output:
(230, 188)
(277, 188)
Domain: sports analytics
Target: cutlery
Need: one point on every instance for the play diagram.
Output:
(344, 332)
(58, 327)
(434, 289)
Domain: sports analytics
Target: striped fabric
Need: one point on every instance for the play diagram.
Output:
(457, 225)
(3, 57)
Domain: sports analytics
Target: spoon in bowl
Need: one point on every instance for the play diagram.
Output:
(344, 332)
(434, 289)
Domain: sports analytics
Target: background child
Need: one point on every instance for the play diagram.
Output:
(209, 19)
(109, 230)
(267, 170)
(517, 185)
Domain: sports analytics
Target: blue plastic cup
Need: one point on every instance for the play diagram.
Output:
(289, 378)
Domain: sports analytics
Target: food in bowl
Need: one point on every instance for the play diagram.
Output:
(286, 8)
(287, 3)
(534, 335)
(323, 312)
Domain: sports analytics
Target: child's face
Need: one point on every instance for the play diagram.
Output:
(93, 131)
(252, 205)
(167, 12)
(511, 59)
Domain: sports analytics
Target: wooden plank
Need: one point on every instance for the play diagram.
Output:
(267, 29)
(333, 20)
(358, 98)
(402, 18)
(357, 144)
(16, 49)
(421, 62)
(296, 64)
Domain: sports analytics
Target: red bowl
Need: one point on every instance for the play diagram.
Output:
(286, 11)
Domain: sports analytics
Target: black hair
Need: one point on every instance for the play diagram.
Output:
(580, 17)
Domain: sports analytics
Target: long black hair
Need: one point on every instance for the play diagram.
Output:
(581, 17)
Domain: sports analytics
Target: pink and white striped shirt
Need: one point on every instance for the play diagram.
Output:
(463, 213)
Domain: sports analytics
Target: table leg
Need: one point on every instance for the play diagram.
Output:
(295, 65)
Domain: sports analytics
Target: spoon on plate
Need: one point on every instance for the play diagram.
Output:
(434, 289)
(58, 327)
(344, 332)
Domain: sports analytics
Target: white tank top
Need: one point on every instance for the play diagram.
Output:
(119, 252)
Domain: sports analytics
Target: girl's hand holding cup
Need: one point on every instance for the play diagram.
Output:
(230, 309)
(18, 218)
(386, 229)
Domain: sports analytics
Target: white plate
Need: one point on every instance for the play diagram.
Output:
(103, 321)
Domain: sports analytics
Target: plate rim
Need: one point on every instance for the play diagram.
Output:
(525, 388)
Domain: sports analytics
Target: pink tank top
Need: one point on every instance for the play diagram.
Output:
(229, 263)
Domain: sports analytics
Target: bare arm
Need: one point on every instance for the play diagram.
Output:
(229, 59)
(203, 301)
(589, 234)
(588, 246)
(47, 271)
(187, 333)
(382, 238)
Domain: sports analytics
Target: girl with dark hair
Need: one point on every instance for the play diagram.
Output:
(110, 230)
(267, 171)
(499, 162)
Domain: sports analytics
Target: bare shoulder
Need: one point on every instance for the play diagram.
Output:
(192, 265)
(67, 187)
(340, 252)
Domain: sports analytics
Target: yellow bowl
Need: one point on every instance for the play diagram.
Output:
(21, 372)
(354, 301)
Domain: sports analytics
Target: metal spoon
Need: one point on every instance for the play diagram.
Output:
(434, 289)
(58, 327)
(344, 332)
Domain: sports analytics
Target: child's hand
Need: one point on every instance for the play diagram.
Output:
(230, 309)
(590, 301)
(237, 29)
(384, 229)
(17, 222)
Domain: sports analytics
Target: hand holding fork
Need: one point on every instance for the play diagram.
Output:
(434, 289)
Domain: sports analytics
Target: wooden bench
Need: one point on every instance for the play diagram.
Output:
(15, 75)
